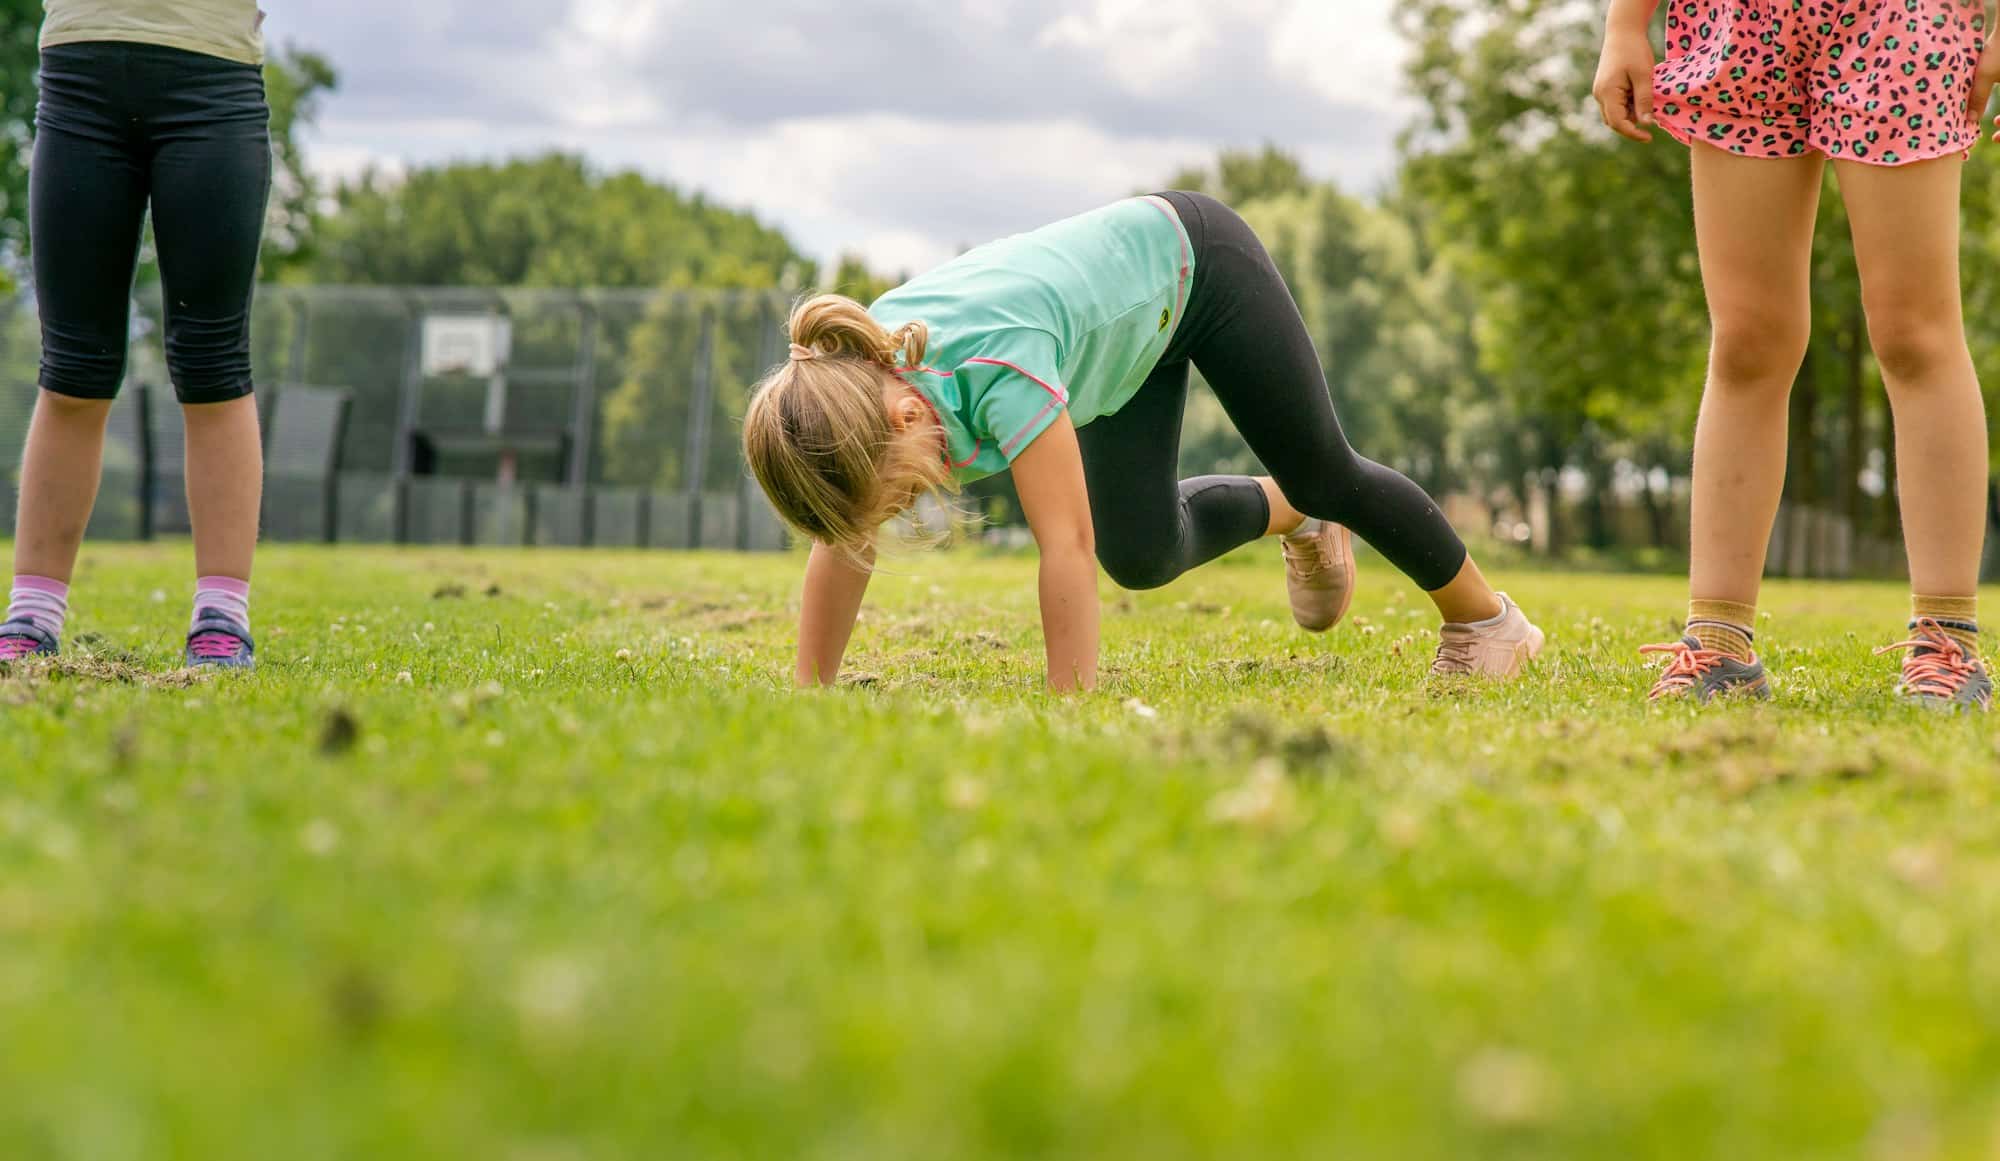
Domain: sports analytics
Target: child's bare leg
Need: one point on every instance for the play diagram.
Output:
(1906, 240)
(59, 475)
(1754, 223)
(225, 484)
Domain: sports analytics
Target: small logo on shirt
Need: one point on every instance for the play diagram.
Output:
(1166, 318)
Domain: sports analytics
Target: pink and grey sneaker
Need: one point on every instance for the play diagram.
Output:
(1939, 674)
(1319, 575)
(218, 641)
(1706, 674)
(23, 638)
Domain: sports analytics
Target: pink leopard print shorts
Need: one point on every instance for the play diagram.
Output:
(1887, 82)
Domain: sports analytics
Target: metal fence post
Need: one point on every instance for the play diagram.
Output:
(295, 361)
(406, 413)
(583, 415)
(583, 407)
(143, 399)
(699, 405)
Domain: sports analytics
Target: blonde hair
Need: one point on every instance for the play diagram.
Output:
(818, 436)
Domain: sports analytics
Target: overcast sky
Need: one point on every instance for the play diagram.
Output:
(902, 129)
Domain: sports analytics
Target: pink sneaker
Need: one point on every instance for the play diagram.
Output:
(1500, 648)
(23, 639)
(1319, 573)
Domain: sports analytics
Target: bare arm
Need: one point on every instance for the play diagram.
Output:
(1049, 478)
(1624, 85)
(1987, 75)
(832, 599)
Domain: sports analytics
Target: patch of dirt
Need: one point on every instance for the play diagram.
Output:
(105, 670)
(736, 620)
(1308, 751)
(1312, 665)
(339, 732)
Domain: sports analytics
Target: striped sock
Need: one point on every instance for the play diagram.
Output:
(1725, 627)
(1958, 616)
(40, 600)
(225, 595)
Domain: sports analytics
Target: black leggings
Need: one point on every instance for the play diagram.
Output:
(1244, 331)
(118, 126)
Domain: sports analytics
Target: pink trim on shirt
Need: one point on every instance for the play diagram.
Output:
(1060, 397)
(944, 431)
(1011, 446)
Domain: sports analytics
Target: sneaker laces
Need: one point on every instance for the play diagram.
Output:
(1457, 655)
(1307, 556)
(15, 646)
(1686, 670)
(1938, 665)
(214, 645)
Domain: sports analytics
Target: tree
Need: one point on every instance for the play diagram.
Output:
(20, 25)
(296, 81)
(853, 279)
(545, 221)
(1241, 177)
(1588, 319)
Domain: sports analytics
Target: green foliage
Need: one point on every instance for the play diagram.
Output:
(1578, 253)
(20, 26)
(296, 81)
(853, 279)
(546, 221)
(1243, 176)
(1575, 258)
(1377, 307)
(551, 899)
(647, 418)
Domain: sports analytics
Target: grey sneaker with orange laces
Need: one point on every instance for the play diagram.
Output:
(1706, 674)
(1939, 673)
(1319, 573)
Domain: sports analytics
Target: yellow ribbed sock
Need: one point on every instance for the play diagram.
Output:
(1724, 626)
(1958, 615)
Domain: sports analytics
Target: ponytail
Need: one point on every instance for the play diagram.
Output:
(818, 437)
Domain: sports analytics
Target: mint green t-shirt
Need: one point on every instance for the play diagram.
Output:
(1073, 316)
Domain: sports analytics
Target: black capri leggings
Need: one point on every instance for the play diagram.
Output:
(119, 126)
(1245, 333)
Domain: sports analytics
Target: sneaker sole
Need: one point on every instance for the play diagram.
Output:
(1347, 590)
(1758, 690)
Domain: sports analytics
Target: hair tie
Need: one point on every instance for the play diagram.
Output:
(801, 353)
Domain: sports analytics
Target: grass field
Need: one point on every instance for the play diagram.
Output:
(532, 857)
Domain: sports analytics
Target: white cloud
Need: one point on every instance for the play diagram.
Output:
(1347, 51)
(1148, 45)
(902, 132)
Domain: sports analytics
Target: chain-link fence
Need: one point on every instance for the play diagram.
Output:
(457, 416)
(509, 417)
